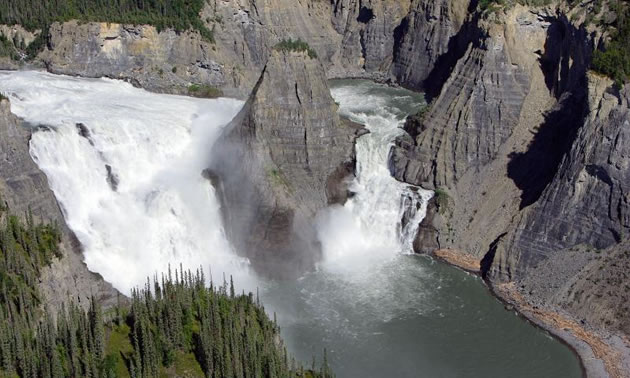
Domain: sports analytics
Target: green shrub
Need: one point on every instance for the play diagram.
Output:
(7, 48)
(441, 199)
(614, 59)
(297, 45)
(204, 91)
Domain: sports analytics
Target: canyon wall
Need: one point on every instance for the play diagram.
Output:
(382, 40)
(528, 154)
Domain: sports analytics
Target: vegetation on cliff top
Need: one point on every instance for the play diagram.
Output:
(613, 59)
(297, 45)
(180, 15)
(7, 48)
(174, 326)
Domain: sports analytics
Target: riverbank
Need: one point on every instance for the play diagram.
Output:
(600, 355)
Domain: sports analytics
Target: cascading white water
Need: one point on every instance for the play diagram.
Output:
(126, 164)
(382, 219)
(394, 315)
(129, 179)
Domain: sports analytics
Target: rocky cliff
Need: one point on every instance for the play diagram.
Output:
(159, 61)
(281, 160)
(527, 153)
(469, 144)
(23, 186)
(392, 39)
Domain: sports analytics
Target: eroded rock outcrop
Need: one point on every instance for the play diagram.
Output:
(279, 162)
(159, 61)
(470, 142)
(23, 186)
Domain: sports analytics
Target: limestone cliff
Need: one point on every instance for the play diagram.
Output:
(471, 142)
(279, 162)
(159, 61)
(426, 39)
(23, 186)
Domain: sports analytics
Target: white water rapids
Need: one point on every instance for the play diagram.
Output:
(163, 211)
(129, 179)
(369, 227)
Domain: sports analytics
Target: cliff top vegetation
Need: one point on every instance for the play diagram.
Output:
(613, 58)
(180, 15)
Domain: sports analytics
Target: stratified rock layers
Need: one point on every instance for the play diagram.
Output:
(279, 161)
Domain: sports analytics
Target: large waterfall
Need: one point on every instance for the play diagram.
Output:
(125, 166)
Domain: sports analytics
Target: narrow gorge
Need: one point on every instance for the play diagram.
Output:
(345, 154)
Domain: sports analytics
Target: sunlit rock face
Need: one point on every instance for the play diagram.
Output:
(280, 160)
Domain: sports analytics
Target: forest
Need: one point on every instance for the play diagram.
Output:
(176, 325)
(180, 15)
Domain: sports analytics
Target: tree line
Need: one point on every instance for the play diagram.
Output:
(174, 325)
(180, 15)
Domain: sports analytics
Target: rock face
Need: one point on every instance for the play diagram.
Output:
(162, 62)
(23, 186)
(280, 162)
(529, 156)
(428, 34)
(587, 201)
(377, 39)
(495, 134)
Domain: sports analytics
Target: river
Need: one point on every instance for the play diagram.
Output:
(125, 166)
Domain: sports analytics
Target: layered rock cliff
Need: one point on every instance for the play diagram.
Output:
(23, 186)
(403, 40)
(281, 160)
(469, 144)
(527, 153)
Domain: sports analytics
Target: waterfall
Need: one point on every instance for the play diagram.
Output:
(125, 166)
(382, 218)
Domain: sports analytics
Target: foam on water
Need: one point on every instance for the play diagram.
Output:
(369, 228)
(130, 185)
(162, 211)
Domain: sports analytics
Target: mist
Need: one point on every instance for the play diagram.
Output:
(162, 211)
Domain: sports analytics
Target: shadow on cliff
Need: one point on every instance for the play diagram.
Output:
(468, 33)
(534, 169)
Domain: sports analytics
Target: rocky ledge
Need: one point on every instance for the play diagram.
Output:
(528, 154)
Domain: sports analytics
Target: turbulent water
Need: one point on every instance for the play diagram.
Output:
(126, 165)
(382, 312)
(129, 177)
(382, 218)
